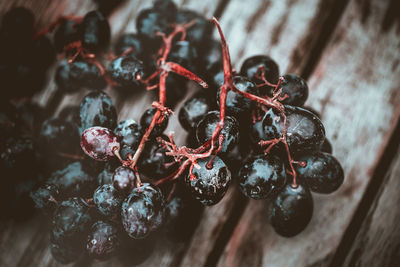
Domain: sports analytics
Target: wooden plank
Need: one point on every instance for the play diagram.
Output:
(378, 241)
(355, 86)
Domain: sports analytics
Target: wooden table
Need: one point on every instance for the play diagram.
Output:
(349, 51)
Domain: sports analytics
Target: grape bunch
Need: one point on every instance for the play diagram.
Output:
(113, 185)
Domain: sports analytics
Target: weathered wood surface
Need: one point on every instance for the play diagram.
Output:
(290, 31)
(355, 86)
(378, 240)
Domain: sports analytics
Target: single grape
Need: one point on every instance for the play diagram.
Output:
(94, 32)
(107, 200)
(124, 179)
(143, 211)
(97, 109)
(206, 126)
(129, 133)
(103, 240)
(193, 110)
(291, 210)
(99, 143)
(305, 132)
(262, 176)
(146, 119)
(127, 71)
(323, 172)
(296, 88)
(209, 183)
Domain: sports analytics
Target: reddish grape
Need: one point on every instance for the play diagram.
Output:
(99, 143)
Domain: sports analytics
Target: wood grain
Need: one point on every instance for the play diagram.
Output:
(355, 86)
(378, 240)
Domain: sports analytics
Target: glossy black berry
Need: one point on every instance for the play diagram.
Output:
(129, 132)
(154, 163)
(296, 88)
(206, 126)
(271, 70)
(73, 181)
(45, 197)
(148, 22)
(126, 71)
(129, 42)
(103, 240)
(209, 183)
(107, 200)
(323, 172)
(200, 32)
(94, 32)
(146, 119)
(70, 77)
(58, 136)
(291, 210)
(305, 132)
(97, 109)
(262, 176)
(237, 105)
(143, 211)
(193, 110)
(184, 54)
(124, 179)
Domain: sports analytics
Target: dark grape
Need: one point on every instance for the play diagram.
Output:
(146, 119)
(193, 110)
(206, 126)
(97, 109)
(262, 176)
(209, 183)
(296, 88)
(129, 133)
(103, 240)
(124, 179)
(291, 210)
(323, 172)
(66, 33)
(94, 32)
(107, 200)
(126, 71)
(45, 197)
(143, 211)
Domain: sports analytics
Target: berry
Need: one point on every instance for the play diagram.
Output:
(129, 133)
(57, 135)
(71, 77)
(143, 211)
(97, 109)
(99, 143)
(148, 22)
(183, 53)
(236, 104)
(262, 176)
(45, 197)
(129, 41)
(206, 126)
(199, 33)
(146, 119)
(209, 183)
(73, 181)
(305, 132)
(105, 176)
(103, 240)
(124, 179)
(154, 163)
(271, 70)
(193, 110)
(296, 88)
(107, 200)
(126, 71)
(291, 210)
(94, 32)
(323, 172)
(66, 33)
